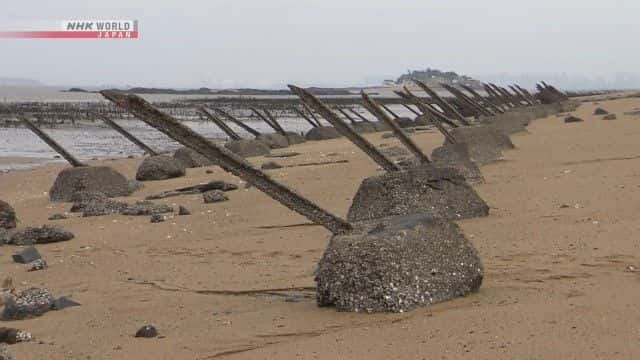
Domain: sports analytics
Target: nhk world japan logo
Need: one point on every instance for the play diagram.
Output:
(76, 29)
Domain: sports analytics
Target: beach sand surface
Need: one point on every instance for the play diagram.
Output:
(560, 250)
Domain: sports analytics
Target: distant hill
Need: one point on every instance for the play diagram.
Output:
(435, 76)
(7, 81)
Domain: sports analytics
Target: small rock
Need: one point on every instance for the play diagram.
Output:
(63, 302)
(214, 196)
(388, 135)
(145, 208)
(5, 236)
(27, 304)
(208, 171)
(58, 217)
(600, 111)
(157, 218)
(270, 165)
(183, 211)
(4, 353)
(572, 119)
(40, 235)
(27, 255)
(610, 117)
(564, 206)
(7, 216)
(147, 331)
(38, 265)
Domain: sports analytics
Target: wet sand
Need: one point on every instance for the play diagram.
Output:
(560, 280)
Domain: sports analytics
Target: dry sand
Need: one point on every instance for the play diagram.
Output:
(560, 281)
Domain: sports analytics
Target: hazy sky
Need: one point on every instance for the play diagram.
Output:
(267, 43)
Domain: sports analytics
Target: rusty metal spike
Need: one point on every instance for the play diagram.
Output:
(379, 113)
(227, 130)
(228, 161)
(127, 135)
(345, 129)
(233, 119)
(52, 143)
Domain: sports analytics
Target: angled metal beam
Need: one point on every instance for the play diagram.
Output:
(274, 122)
(344, 113)
(359, 115)
(387, 109)
(127, 134)
(226, 129)
(379, 113)
(52, 143)
(446, 107)
(302, 115)
(411, 109)
(234, 120)
(255, 111)
(407, 95)
(482, 99)
(311, 113)
(426, 108)
(469, 101)
(228, 161)
(345, 129)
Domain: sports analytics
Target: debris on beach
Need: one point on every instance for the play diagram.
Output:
(610, 117)
(31, 303)
(572, 119)
(27, 255)
(38, 265)
(195, 189)
(58, 216)
(270, 165)
(13, 336)
(157, 218)
(44, 234)
(147, 331)
(160, 167)
(600, 111)
(214, 196)
(183, 211)
(7, 216)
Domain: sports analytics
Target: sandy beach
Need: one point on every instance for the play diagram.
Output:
(234, 280)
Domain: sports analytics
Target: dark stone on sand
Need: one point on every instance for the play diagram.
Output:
(610, 117)
(27, 304)
(600, 111)
(157, 218)
(322, 133)
(160, 167)
(58, 217)
(190, 158)
(7, 216)
(283, 155)
(294, 138)
(388, 135)
(247, 148)
(90, 178)
(182, 211)
(214, 196)
(274, 141)
(270, 165)
(441, 192)
(93, 203)
(40, 235)
(572, 119)
(63, 302)
(397, 264)
(147, 331)
(208, 171)
(8, 336)
(146, 208)
(27, 255)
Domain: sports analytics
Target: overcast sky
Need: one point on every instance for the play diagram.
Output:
(267, 43)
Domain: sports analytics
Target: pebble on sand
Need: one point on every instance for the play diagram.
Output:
(147, 331)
